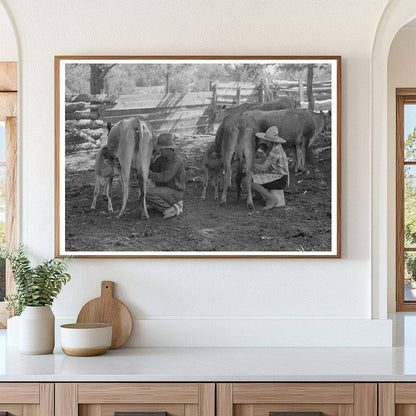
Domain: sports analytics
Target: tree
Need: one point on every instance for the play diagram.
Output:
(410, 146)
(77, 79)
(98, 73)
(246, 72)
(410, 206)
(410, 191)
(410, 266)
(178, 78)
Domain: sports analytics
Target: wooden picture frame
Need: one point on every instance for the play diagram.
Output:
(189, 97)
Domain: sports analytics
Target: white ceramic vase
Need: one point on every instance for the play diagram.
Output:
(37, 330)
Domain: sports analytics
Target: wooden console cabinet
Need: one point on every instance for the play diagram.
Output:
(397, 399)
(108, 399)
(297, 399)
(27, 399)
(229, 399)
(208, 399)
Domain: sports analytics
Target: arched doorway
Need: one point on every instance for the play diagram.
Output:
(396, 14)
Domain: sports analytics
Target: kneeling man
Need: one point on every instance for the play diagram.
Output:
(168, 173)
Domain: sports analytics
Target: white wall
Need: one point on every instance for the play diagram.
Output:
(179, 302)
(401, 74)
(8, 47)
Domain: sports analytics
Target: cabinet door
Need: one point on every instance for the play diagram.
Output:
(26, 399)
(397, 399)
(296, 399)
(143, 399)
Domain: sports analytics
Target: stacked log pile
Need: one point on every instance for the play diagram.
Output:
(83, 128)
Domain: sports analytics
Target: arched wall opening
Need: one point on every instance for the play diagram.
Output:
(8, 44)
(401, 73)
(397, 14)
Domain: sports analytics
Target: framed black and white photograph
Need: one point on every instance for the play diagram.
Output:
(198, 156)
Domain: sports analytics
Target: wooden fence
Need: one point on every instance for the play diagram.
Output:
(182, 113)
(297, 89)
(231, 94)
(192, 113)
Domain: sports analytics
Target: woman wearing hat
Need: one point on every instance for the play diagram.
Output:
(168, 172)
(272, 175)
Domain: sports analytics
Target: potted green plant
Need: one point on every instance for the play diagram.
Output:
(36, 289)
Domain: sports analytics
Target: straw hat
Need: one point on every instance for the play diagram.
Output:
(272, 135)
(165, 141)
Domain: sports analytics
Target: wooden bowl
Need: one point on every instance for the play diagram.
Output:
(84, 340)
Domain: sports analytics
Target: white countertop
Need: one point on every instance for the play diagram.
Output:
(213, 364)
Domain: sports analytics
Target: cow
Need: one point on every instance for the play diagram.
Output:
(281, 103)
(132, 142)
(296, 126)
(235, 136)
(104, 174)
(328, 122)
(212, 169)
(278, 104)
(322, 124)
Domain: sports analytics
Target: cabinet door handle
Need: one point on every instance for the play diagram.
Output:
(138, 414)
(296, 414)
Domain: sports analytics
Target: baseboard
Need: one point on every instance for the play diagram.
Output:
(165, 332)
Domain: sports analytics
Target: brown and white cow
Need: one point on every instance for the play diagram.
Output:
(132, 142)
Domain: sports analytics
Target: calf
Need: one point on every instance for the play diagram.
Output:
(104, 174)
(212, 169)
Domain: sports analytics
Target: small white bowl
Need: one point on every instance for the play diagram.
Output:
(83, 340)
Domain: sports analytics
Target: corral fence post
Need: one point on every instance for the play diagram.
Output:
(301, 98)
(309, 88)
(238, 95)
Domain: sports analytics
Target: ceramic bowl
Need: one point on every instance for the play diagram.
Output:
(83, 340)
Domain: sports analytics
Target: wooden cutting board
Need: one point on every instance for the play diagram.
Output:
(107, 309)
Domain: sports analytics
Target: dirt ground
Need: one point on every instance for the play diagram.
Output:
(303, 225)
